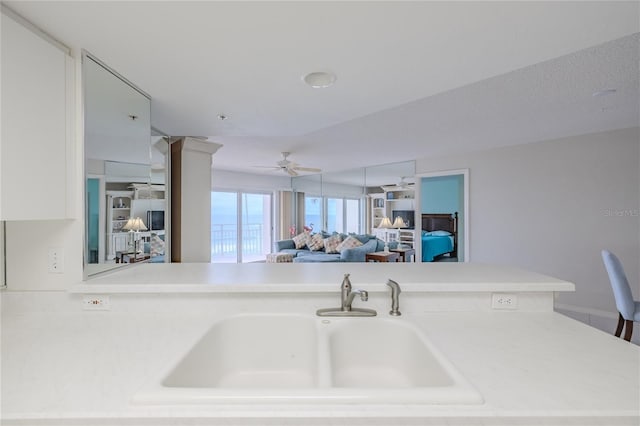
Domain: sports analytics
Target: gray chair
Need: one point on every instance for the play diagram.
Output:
(628, 309)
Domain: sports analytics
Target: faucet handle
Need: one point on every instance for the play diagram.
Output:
(346, 283)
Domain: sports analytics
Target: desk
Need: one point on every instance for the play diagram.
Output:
(382, 256)
(405, 253)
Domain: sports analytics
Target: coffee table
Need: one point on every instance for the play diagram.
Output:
(133, 257)
(382, 256)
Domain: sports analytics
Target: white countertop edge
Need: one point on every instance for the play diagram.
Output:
(326, 411)
(316, 278)
(240, 288)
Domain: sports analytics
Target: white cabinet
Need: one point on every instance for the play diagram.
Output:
(405, 237)
(400, 200)
(37, 162)
(394, 198)
(118, 213)
(378, 211)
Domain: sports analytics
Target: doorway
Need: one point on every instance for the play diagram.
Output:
(445, 192)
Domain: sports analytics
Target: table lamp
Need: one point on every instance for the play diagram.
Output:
(134, 225)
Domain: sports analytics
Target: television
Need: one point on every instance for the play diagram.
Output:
(408, 216)
(155, 220)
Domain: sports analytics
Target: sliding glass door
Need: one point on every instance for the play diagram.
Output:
(241, 227)
(333, 214)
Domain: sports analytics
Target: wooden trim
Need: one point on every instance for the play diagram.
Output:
(176, 200)
(628, 330)
(620, 325)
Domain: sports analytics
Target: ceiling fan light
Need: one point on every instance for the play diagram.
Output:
(320, 79)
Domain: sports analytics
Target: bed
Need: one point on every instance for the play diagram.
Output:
(439, 235)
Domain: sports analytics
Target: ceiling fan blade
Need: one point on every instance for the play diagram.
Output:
(308, 169)
(292, 172)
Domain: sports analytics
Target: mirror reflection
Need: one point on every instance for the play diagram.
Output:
(372, 210)
(125, 173)
(127, 213)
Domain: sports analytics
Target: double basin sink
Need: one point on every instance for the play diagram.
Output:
(292, 359)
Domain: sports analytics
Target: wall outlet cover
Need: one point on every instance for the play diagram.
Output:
(504, 301)
(96, 303)
(56, 260)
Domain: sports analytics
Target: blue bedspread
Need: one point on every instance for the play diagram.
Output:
(433, 246)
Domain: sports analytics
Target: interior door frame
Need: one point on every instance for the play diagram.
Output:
(465, 197)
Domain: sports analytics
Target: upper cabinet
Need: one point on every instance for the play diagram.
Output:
(36, 143)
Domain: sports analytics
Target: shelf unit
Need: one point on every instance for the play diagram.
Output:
(383, 204)
(118, 212)
(378, 209)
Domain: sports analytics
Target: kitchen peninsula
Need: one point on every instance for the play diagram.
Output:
(530, 364)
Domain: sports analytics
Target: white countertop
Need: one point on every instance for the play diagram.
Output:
(531, 365)
(310, 277)
(531, 368)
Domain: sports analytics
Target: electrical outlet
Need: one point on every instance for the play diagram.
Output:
(96, 303)
(504, 301)
(56, 260)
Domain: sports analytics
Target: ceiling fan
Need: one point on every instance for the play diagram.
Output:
(403, 183)
(291, 168)
(400, 186)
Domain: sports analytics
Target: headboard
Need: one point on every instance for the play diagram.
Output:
(442, 222)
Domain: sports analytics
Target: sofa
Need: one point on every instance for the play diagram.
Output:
(370, 244)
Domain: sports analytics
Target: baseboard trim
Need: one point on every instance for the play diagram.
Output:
(588, 311)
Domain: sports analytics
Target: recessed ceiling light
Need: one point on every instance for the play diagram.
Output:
(320, 80)
(604, 92)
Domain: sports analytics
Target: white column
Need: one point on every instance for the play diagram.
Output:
(195, 190)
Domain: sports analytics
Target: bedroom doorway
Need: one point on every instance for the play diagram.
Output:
(443, 193)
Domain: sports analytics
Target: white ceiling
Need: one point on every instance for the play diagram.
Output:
(414, 79)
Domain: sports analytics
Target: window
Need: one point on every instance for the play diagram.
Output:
(313, 213)
(333, 214)
(240, 227)
(352, 216)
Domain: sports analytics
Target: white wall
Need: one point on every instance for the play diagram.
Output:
(552, 206)
(28, 241)
(224, 179)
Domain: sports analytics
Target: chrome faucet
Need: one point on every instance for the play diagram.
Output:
(347, 295)
(346, 299)
(395, 298)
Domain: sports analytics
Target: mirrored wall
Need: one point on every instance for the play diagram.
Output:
(125, 173)
(342, 201)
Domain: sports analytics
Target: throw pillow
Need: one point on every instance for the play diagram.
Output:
(316, 242)
(157, 246)
(331, 244)
(350, 242)
(301, 239)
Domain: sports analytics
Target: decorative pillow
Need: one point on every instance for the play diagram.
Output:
(436, 233)
(301, 239)
(350, 242)
(331, 244)
(157, 246)
(363, 238)
(316, 242)
(441, 233)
